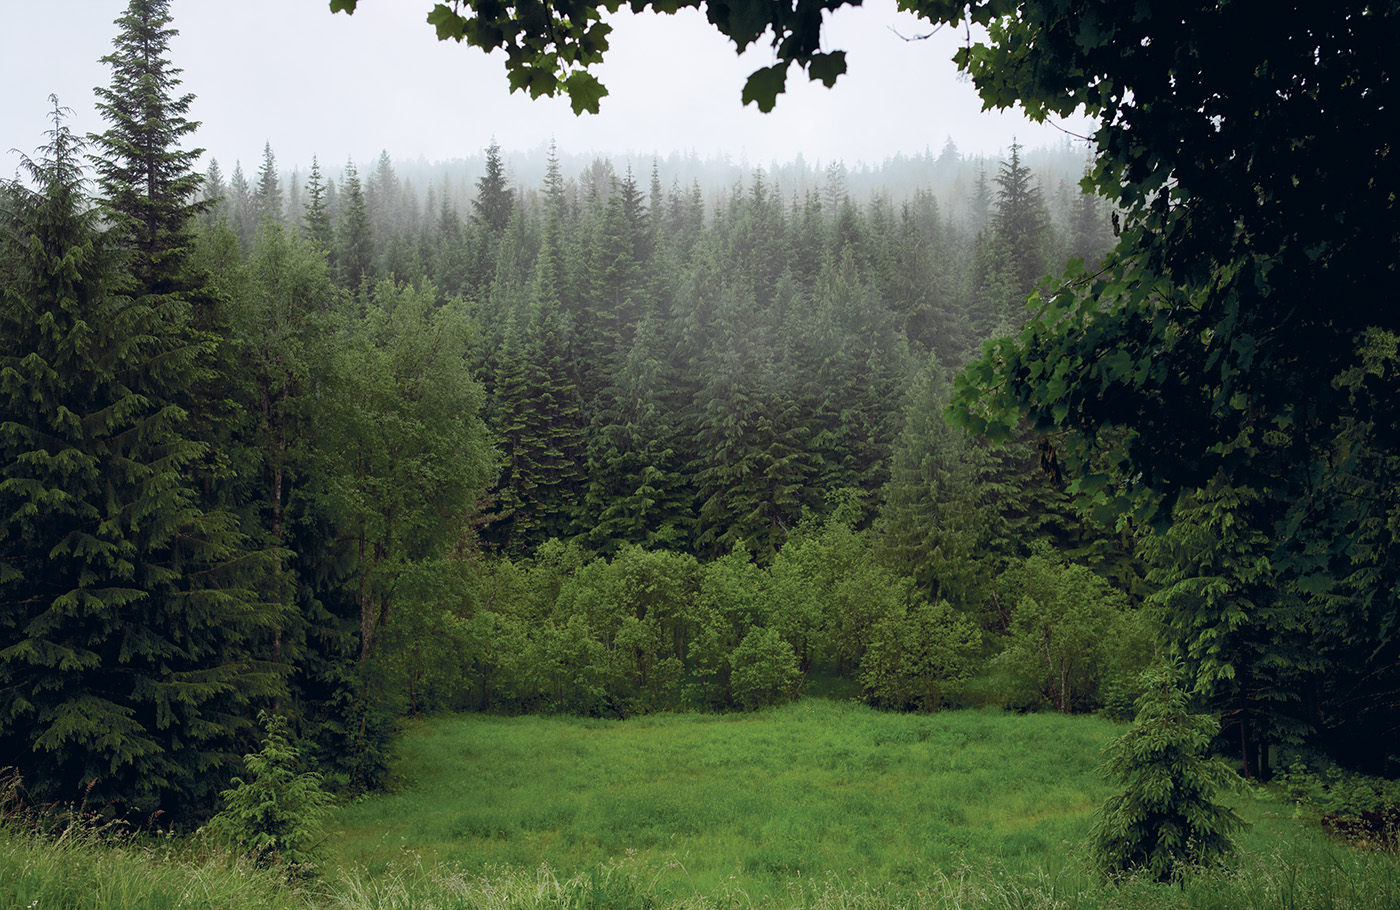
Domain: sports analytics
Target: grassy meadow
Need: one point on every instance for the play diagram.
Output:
(818, 789)
(820, 805)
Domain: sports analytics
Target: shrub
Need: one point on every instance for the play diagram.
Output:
(765, 670)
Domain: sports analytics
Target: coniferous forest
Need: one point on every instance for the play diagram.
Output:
(291, 457)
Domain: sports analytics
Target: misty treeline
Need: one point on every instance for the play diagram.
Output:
(604, 443)
(720, 474)
(677, 382)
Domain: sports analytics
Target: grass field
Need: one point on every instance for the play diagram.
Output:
(816, 806)
(819, 789)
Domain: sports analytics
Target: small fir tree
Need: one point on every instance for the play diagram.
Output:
(1167, 817)
(275, 810)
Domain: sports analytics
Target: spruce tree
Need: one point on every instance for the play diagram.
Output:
(241, 206)
(267, 198)
(1168, 817)
(494, 198)
(122, 612)
(318, 216)
(148, 183)
(1021, 223)
(354, 240)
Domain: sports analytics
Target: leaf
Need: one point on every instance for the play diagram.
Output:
(343, 6)
(765, 85)
(827, 67)
(585, 91)
(448, 24)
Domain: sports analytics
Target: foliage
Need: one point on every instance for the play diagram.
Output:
(764, 670)
(1208, 337)
(1245, 638)
(577, 38)
(917, 660)
(275, 811)
(1167, 818)
(1363, 809)
(1064, 630)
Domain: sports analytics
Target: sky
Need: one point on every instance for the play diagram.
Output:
(290, 73)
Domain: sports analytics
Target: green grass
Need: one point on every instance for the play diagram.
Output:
(82, 871)
(820, 789)
(817, 806)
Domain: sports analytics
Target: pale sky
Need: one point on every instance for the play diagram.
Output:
(289, 72)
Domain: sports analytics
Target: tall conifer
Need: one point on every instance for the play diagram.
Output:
(147, 180)
(122, 617)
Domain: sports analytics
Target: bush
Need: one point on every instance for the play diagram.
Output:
(765, 670)
(916, 659)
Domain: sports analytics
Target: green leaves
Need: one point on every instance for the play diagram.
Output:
(764, 85)
(826, 67)
(449, 25)
(585, 91)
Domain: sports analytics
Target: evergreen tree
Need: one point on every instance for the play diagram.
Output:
(935, 526)
(1168, 817)
(354, 237)
(126, 608)
(214, 192)
(383, 195)
(494, 198)
(1022, 222)
(318, 216)
(240, 206)
(267, 197)
(1241, 633)
(148, 183)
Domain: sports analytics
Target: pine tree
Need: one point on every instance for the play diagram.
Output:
(1243, 636)
(267, 198)
(354, 240)
(125, 609)
(318, 216)
(935, 526)
(148, 182)
(382, 197)
(494, 198)
(214, 192)
(1022, 222)
(1168, 817)
(240, 207)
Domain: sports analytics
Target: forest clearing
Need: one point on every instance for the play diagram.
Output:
(1011, 530)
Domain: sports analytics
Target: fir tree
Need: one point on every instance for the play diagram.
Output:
(318, 216)
(1167, 818)
(354, 240)
(126, 608)
(240, 206)
(267, 198)
(494, 198)
(1022, 223)
(148, 183)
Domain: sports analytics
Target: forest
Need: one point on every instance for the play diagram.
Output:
(295, 458)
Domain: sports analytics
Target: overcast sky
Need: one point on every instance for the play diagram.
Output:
(289, 72)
